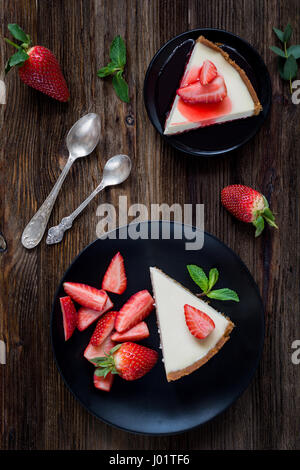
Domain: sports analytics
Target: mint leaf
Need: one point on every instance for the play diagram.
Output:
(198, 276)
(287, 33)
(18, 58)
(279, 34)
(213, 277)
(120, 87)
(18, 33)
(294, 50)
(118, 52)
(223, 294)
(290, 68)
(278, 51)
(259, 224)
(106, 71)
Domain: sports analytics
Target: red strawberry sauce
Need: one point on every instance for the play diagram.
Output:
(201, 111)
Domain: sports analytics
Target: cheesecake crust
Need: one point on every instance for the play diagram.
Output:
(188, 370)
(257, 106)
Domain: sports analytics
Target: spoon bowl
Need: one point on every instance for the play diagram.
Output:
(116, 170)
(84, 135)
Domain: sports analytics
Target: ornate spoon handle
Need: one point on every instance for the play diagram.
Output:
(56, 234)
(34, 231)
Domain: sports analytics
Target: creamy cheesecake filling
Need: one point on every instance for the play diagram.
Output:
(242, 104)
(180, 348)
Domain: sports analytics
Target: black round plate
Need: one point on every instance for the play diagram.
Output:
(151, 405)
(163, 77)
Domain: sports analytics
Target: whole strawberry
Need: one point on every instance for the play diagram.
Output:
(130, 360)
(248, 205)
(37, 66)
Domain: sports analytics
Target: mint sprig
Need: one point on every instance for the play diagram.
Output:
(287, 57)
(207, 283)
(115, 68)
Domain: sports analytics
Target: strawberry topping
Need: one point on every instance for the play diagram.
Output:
(199, 323)
(214, 92)
(208, 72)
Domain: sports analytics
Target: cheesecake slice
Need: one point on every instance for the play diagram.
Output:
(183, 353)
(240, 102)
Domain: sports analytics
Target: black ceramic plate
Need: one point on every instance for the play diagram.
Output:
(163, 77)
(151, 405)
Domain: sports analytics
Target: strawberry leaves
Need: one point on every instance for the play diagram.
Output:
(207, 283)
(287, 57)
(21, 55)
(115, 68)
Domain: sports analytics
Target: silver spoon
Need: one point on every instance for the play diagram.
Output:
(116, 170)
(81, 140)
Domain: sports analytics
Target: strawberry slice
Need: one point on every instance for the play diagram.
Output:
(199, 324)
(137, 333)
(208, 72)
(98, 351)
(103, 329)
(69, 316)
(86, 296)
(115, 277)
(87, 316)
(103, 383)
(214, 92)
(134, 311)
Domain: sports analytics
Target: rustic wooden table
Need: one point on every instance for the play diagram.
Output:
(37, 410)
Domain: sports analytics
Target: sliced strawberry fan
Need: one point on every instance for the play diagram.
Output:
(85, 295)
(137, 333)
(91, 352)
(69, 316)
(87, 316)
(114, 279)
(103, 383)
(104, 328)
(136, 309)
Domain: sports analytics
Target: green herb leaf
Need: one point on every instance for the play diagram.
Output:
(18, 33)
(120, 87)
(213, 277)
(198, 276)
(290, 68)
(294, 50)
(106, 71)
(279, 34)
(287, 33)
(281, 63)
(278, 51)
(118, 52)
(18, 58)
(259, 224)
(223, 294)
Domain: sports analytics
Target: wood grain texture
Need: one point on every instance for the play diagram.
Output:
(37, 410)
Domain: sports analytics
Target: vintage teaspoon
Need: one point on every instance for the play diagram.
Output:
(81, 141)
(116, 170)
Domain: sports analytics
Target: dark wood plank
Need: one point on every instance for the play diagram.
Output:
(37, 411)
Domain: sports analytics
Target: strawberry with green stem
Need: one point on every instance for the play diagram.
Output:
(37, 66)
(248, 205)
(129, 360)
